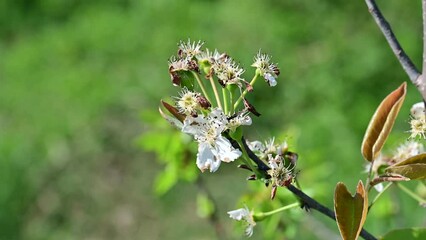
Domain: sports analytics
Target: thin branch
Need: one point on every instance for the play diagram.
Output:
(310, 203)
(424, 36)
(400, 54)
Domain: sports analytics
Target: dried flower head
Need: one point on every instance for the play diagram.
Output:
(269, 71)
(189, 50)
(227, 71)
(282, 174)
(188, 102)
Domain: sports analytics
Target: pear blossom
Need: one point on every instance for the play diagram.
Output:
(187, 103)
(189, 49)
(407, 150)
(418, 121)
(244, 214)
(239, 120)
(267, 70)
(227, 71)
(213, 148)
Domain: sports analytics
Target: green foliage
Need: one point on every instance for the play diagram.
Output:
(408, 234)
(173, 149)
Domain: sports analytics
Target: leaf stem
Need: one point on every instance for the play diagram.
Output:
(216, 94)
(247, 159)
(253, 81)
(203, 89)
(262, 215)
(225, 100)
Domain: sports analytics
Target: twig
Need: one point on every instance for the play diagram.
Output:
(424, 37)
(400, 54)
(310, 203)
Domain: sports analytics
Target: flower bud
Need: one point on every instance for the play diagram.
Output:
(204, 103)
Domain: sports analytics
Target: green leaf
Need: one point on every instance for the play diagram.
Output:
(382, 122)
(205, 206)
(406, 234)
(412, 168)
(351, 211)
(166, 179)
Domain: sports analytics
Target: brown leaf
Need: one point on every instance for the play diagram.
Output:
(382, 122)
(412, 168)
(173, 111)
(351, 211)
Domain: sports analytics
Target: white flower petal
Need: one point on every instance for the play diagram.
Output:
(249, 230)
(256, 146)
(418, 110)
(270, 79)
(225, 150)
(206, 159)
(239, 214)
(379, 187)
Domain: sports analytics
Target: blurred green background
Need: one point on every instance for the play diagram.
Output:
(79, 78)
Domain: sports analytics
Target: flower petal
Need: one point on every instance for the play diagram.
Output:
(225, 151)
(239, 214)
(206, 159)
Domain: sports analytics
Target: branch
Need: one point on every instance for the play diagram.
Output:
(400, 54)
(309, 203)
(424, 37)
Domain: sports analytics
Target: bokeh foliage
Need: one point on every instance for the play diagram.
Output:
(75, 76)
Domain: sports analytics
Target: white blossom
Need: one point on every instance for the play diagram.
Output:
(407, 150)
(244, 214)
(189, 49)
(213, 148)
(239, 120)
(418, 121)
(267, 70)
(187, 102)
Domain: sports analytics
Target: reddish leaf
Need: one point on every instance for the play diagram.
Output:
(382, 122)
(351, 211)
(412, 168)
(173, 111)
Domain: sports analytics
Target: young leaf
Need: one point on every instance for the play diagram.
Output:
(382, 122)
(173, 111)
(412, 168)
(406, 234)
(351, 211)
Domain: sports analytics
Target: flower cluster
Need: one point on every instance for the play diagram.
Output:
(418, 121)
(282, 163)
(210, 110)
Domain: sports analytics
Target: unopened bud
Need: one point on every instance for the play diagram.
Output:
(273, 192)
(204, 103)
(176, 79)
